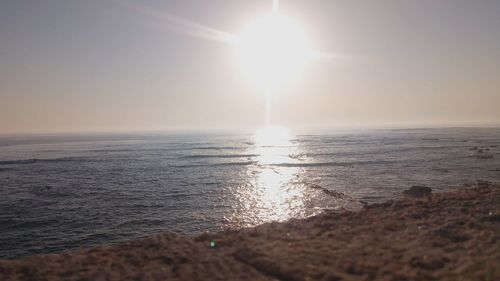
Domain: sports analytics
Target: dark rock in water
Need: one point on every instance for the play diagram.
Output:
(315, 186)
(328, 192)
(473, 148)
(418, 191)
(480, 151)
(494, 145)
(334, 193)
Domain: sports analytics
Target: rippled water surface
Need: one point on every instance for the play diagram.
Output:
(64, 192)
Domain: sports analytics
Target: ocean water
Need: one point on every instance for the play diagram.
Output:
(64, 192)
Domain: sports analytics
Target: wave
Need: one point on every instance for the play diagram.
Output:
(65, 159)
(201, 156)
(372, 152)
(215, 147)
(340, 164)
(36, 160)
(18, 162)
(243, 163)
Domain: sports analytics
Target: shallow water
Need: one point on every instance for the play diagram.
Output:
(64, 192)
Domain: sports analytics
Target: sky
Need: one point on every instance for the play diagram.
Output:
(112, 65)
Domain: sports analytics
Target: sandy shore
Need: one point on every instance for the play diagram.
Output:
(448, 236)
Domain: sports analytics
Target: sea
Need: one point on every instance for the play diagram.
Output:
(62, 192)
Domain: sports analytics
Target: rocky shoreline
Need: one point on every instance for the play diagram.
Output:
(444, 236)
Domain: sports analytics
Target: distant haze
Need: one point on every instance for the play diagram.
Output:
(97, 65)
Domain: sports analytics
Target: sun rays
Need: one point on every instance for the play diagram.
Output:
(202, 31)
(271, 51)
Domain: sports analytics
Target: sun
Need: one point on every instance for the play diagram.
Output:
(272, 50)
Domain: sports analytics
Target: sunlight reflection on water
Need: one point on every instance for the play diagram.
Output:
(273, 193)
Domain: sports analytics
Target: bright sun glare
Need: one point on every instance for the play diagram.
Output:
(273, 136)
(272, 50)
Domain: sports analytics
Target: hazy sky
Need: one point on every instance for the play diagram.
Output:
(103, 65)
